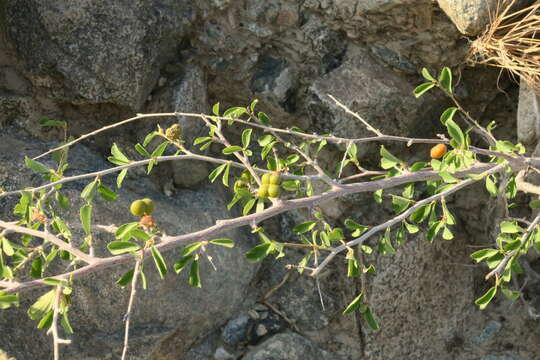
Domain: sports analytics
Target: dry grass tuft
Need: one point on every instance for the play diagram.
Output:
(511, 42)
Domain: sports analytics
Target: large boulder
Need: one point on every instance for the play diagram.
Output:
(97, 51)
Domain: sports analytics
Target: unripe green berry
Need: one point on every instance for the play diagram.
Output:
(246, 176)
(239, 184)
(138, 208)
(273, 191)
(263, 191)
(149, 206)
(265, 178)
(275, 179)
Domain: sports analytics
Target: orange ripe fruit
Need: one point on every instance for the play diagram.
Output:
(438, 151)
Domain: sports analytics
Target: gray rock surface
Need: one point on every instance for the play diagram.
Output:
(97, 51)
(288, 346)
(528, 124)
(469, 16)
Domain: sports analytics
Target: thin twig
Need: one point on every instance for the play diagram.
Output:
(127, 317)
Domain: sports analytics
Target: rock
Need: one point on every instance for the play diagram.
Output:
(288, 346)
(469, 16)
(261, 330)
(502, 357)
(381, 97)
(107, 52)
(274, 79)
(528, 123)
(490, 330)
(187, 94)
(236, 330)
(168, 317)
(222, 354)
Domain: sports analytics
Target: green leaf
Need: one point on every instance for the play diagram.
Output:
(63, 201)
(141, 150)
(223, 242)
(121, 177)
(259, 252)
(445, 79)
(231, 149)
(8, 300)
(291, 185)
(6, 245)
(158, 260)
(124, 231)
(510, 294)
(149, 138)
(41, 306)
(265, 140)
(126, 278)
(179, 266)
(483, 254)
(400, 204)
(263, 118)
(447, 234)
(352, 268)
(267, 149)
(304, 227)
(447, 177)
(235, 112)
(65, 323)
(249, 205)
(485, 299)
(52, 123)
(422, 89)
(370, 319)
(37, 269)
(215, 109)
(121, 247)
(55, 282)
(388, 160)
(190, 248)
(225, 178)
(118, 155)
(455, 132)
(86, 218)
(377, 195)
(216, 172)
(354, 305)
(200, 140)
(89, 191)
(246, 137)
(491, 187)
(510, 227)
(194, 276)
(448, 114)
(534, 204)
(35, 166)
(411, 228)
(427, 75)
(46, 321)
(106, 193)
(160, 149)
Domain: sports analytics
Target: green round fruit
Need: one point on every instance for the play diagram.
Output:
(275, 179)
(138, 208)
(265, 178)
(149, 206)
(246, 176)
(273, 191)
(263, 191)
(239, 184)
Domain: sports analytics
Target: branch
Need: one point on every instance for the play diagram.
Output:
(145, 162)
(171, 242)
(127, 317)
(400, 218)
(51, 238)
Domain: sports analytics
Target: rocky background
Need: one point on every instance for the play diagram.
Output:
(95, 62)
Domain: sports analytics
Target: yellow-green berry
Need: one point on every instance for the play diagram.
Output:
(273, 191)
(149, 206)
(138, 208)
(275, 179)
(246, 176)
(239, 184)
(263, 191)
(265, 178)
